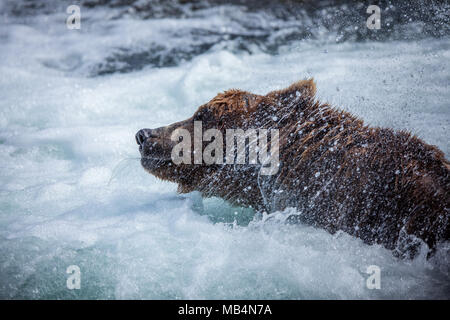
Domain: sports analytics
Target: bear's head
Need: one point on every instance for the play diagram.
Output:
(193, 152)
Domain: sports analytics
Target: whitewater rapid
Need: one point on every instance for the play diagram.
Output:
(73, 191)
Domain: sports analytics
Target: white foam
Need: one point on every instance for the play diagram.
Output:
(73, 191)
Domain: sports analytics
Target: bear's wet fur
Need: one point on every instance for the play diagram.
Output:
(386, 187)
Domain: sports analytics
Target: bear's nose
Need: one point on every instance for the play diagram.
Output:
(143, 135)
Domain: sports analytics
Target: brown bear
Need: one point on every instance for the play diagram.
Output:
(386, 187)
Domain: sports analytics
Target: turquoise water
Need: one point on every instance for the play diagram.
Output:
(73, 192)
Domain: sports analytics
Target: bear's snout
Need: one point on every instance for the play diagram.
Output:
(153, 144)
(143, 135)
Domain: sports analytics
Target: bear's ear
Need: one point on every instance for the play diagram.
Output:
(303, 88)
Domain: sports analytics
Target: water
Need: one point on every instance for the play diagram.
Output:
(73, 191)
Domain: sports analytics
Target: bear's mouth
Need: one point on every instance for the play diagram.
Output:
(151, 163)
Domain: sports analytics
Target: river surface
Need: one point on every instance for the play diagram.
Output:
(73, 191)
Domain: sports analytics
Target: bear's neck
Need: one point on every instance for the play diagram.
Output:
(309, 139)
